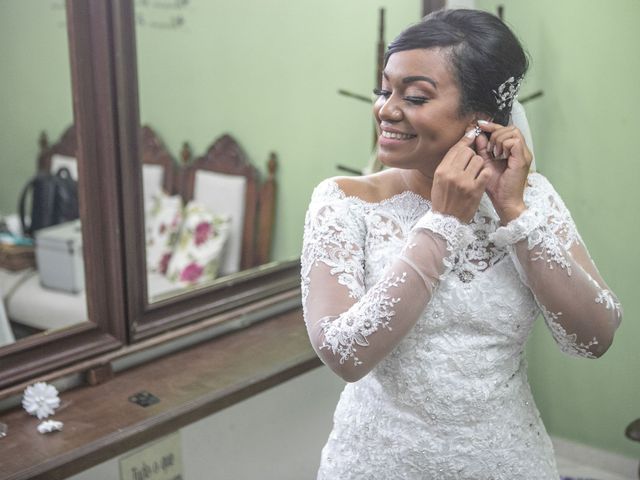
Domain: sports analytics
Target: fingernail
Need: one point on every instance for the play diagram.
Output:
(483, 122)
(471, 133)
(495, 151)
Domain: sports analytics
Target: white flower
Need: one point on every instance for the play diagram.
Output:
(49, 426)
(40, 399)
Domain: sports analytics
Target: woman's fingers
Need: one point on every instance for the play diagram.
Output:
(515, 147)
(482, 142)
(459, 155)
(499, 137)
(496, 132)
(483, 178)
(475, 165)
(502, 139)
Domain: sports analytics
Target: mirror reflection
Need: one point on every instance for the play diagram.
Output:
(208, 184)
(41, 266)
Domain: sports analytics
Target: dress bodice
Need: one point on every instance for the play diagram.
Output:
(432, 316)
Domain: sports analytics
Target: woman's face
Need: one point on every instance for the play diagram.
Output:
(418, 111)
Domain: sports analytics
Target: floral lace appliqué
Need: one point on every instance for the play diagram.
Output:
(342, 334)
(568, 343)
(606, 298)
(546, 224)
(457, 235)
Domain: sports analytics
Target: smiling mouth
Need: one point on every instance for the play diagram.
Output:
(396, 136)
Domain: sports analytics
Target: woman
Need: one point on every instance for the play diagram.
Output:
(421, 283)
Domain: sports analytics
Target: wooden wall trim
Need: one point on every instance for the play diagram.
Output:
(101, 423)
(429, 6)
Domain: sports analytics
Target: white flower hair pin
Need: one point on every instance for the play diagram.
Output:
(40, 399)
(507, 92)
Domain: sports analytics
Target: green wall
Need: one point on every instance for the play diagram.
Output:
(35, 88)
(586, 57)
(268, 72)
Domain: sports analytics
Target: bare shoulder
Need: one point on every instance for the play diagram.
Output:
(374, 187)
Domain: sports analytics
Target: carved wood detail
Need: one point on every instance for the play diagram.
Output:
(429, 6)
(67, 145)
(266, 213)
(153, 152)
(226, 156)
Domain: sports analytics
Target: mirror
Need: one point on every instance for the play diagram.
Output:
(41, 272)
(209, 211)
(207, 69)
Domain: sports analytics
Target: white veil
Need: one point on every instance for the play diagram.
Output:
(519, 119)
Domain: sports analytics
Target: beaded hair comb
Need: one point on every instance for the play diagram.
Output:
(507, 92)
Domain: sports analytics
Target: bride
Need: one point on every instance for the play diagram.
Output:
(421, 283)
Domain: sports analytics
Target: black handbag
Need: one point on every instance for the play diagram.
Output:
(54, 200)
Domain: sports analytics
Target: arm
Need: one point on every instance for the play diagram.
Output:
(578, 307)
(350, 329)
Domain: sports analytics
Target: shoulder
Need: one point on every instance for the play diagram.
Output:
(541, 195)
(370, 188)
(539, 188)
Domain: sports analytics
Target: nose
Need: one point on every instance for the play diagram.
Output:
(390, 111)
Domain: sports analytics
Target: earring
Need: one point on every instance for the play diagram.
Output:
(477, 131)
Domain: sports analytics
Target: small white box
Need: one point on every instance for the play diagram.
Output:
(59, 257)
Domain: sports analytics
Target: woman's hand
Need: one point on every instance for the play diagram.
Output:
(508, 159)
(460, 180)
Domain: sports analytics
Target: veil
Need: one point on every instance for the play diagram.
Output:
(519, 119)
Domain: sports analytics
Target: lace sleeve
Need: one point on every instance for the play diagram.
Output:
(580, 310)
(350, 327)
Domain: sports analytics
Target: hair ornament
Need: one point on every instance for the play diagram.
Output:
(507, 92)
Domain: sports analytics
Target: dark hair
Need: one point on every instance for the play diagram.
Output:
(484, 54)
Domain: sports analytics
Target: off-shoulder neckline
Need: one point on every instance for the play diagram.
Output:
(384, 201)
(409, 193)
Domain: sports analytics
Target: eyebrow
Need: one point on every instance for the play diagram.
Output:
(420, 78)
(415, 78)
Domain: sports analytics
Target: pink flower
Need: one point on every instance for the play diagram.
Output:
(203, 230)
(164, 263)
(191, 273)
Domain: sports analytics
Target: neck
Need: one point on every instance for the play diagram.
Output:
(418, 182)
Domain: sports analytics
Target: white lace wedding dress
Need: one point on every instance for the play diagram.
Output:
(431, 316)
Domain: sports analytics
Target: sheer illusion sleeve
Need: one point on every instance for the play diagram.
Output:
(551, 258)
(352, 327)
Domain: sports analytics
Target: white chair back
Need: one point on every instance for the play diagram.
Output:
(59, 161)
(224, 194)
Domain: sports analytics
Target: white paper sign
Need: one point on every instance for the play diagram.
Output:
(161, 460)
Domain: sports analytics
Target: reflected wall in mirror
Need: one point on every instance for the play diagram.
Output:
(41, 266)
(212, 68)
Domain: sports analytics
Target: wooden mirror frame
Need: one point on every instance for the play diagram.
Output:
(145, 318)
(106, 119)
(90, 45)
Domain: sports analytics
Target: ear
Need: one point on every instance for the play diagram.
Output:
(473, 122)
(482, 116)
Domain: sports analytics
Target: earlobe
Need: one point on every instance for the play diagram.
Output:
(482, 117)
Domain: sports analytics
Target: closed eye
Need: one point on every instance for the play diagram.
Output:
(416, 100)
(378, 92)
